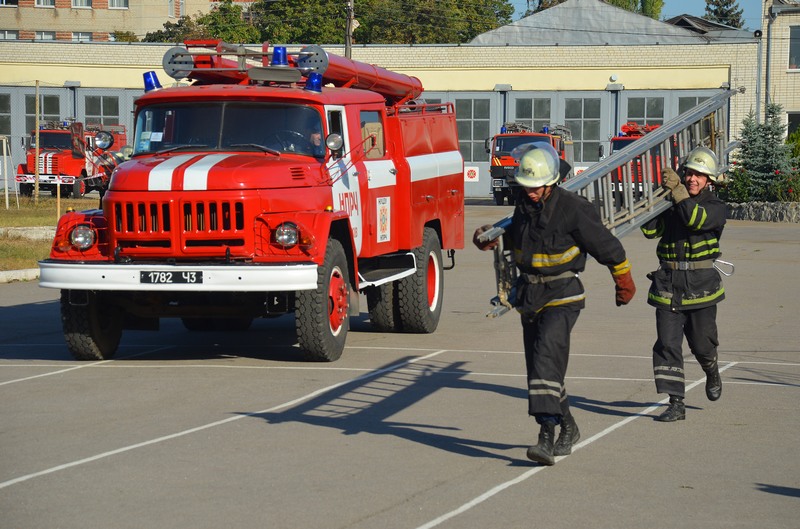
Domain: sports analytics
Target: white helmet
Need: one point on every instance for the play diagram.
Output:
(538, 165)
(704, 161)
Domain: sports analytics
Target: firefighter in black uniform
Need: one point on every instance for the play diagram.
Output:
(686, 287)
(551, 233)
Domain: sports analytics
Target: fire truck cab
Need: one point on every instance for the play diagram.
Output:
(502, 165)
(285, 186)
(69, 158)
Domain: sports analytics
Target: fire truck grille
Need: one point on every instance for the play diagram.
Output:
(192, 224)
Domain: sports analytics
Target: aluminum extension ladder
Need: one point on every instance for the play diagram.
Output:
(625, 187)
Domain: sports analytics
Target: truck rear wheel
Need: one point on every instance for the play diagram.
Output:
(321, 317)
(420, 294)
(499, 197)
(383, 309)
(92, 329)
(26, 190)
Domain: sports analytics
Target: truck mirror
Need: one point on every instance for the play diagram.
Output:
(600, 151)
(103, 140)
(486, 145)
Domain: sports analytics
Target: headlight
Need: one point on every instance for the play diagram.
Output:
(286, 235)
(82, 237)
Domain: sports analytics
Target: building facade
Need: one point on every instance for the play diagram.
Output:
(592, 89)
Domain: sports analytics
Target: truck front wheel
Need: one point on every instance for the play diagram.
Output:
(92, 328)
(322, 314)
(499, 197)
(420, 294)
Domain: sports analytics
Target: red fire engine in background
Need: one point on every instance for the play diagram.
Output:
(502, 165)
(231, 208)
(68, 157)
(629, 133)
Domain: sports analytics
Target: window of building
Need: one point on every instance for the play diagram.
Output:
(9, 2)
(45, 3)
(793, 119)
(534, 113)
(118, 4)
(81, 36)
(5, 114)
(171, 8)
(688, 103)
(102, 110)
(45, 35)
(8, 34)
(49, 109)
(646, 110)
(582, 117)
(82, 3)
(794, 47)
(472, 120)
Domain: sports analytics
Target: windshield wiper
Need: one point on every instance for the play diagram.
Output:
(181, 147)
(257, 146)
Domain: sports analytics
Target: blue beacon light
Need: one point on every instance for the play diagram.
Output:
(314, 82)
(279, 56)
(151, 81)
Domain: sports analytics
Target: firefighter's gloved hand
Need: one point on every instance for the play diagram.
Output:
(672, 183)
(488, 245)
(625, 288)
(670, 179)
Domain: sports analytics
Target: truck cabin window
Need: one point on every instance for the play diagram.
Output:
(229, 126)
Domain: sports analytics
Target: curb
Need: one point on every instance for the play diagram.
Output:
(27, 274)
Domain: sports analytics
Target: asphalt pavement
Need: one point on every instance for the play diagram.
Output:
(206, 430)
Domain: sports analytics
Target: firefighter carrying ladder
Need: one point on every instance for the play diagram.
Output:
(668, 145)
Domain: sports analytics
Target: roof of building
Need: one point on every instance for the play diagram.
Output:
(594, 22)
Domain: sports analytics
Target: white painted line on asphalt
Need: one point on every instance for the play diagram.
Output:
(519, 479)
(183, 433)
(81, 366)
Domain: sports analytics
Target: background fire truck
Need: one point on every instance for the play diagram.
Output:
(502, 165)
(230, 209)
(629, 133)
(68, 157)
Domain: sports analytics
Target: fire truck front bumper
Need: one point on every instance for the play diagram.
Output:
(179, 278)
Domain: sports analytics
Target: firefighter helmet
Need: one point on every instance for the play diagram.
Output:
(704, 161)
(538, 165)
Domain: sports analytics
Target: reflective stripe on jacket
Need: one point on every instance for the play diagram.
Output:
(690, 232)
(556, 239)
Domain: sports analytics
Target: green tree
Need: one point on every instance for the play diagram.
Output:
(125, 36)
(379, 21)
(725, 12)
(764, 168)
(185, 28)
(225, 21)
(652, 8)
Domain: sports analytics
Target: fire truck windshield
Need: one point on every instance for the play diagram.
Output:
(227, 126)
(60, 140)
(505, 144)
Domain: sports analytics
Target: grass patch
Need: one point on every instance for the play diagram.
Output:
(42, 214)
(18, 253)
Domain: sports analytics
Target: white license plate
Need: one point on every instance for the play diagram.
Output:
(170, 278)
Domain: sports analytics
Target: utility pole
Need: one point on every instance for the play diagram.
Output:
(348, 35)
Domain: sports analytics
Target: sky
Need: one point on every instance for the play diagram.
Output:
(751, 15)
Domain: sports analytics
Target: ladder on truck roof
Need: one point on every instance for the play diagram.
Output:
(612, 184)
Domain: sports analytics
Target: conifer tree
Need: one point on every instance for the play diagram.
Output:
(725, 12)
(764, 168)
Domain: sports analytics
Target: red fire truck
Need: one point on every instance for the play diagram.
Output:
(629, 133)
(68, 157)
(502, 165)
(231, 209)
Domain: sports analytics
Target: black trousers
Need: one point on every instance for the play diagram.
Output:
(546, 339)
(700, 328)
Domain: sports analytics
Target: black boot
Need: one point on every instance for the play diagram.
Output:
(543, 452)
(676, 411)
(713, 384)
(569, 436)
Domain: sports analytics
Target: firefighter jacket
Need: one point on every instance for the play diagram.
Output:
(550, 246)
(690, 232)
